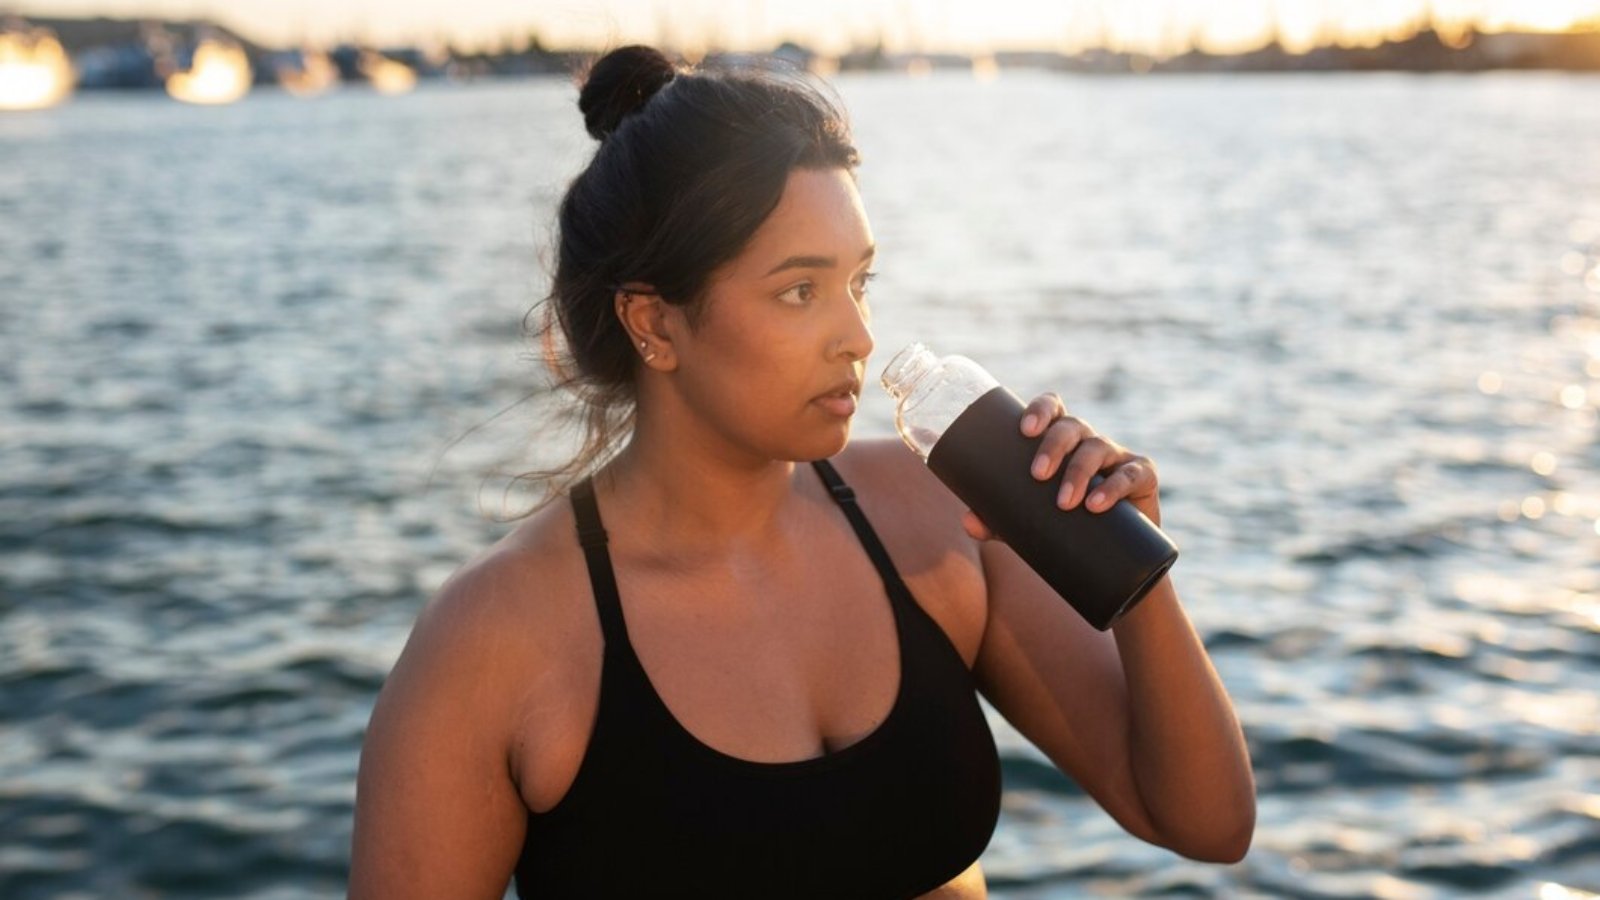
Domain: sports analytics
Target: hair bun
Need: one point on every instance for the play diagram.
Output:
(619, 83)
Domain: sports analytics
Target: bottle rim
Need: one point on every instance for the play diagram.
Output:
(894, 377)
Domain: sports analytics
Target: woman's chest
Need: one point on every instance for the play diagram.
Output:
(769, 664)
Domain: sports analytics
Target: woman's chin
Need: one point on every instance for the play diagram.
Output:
(841, 437)
(820, 443)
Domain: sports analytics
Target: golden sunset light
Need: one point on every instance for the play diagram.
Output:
(220, 74)
(386, 75)
(316, 75)
(834, 26)
(34, 70)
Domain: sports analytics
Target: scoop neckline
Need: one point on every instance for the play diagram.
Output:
(892, 588)
(824, 762)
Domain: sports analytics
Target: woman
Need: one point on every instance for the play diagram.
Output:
(742, 657)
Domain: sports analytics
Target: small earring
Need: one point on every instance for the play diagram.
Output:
(645, 345)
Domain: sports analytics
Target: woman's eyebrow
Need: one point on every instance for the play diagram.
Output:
(816, 262)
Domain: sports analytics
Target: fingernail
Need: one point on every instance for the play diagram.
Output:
(1040, 463)
(1028, 421)
(1065, 500)
(1096, 498)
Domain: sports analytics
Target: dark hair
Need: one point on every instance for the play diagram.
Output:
(690, 163)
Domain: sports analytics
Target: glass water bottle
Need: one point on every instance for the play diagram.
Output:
(967, 427)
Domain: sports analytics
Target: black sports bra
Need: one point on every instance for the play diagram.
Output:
(655, 812)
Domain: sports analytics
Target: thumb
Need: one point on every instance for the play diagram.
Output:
(975, 527)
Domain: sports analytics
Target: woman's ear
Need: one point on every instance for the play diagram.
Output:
(644, 317)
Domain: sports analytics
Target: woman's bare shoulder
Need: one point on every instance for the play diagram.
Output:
(898, 478)
(441, 758)
(919, 522)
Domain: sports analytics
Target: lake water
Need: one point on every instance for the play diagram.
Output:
(252, 359)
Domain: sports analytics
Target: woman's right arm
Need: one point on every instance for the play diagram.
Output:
(437, 811)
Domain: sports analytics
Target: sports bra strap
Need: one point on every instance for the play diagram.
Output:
(601, 578)
(846, 498)
(592, 536)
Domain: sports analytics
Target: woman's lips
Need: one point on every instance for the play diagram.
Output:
(842, 405)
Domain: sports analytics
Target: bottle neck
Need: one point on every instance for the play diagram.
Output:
(907, 368)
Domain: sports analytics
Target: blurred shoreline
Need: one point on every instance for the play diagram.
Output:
(141, 54)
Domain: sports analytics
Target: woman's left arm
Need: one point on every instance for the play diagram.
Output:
(1138, 716)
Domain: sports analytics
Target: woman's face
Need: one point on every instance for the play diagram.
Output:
(785, 326)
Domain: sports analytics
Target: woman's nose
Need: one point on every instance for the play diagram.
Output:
(855, 341)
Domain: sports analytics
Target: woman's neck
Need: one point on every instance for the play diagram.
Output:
(684, 498)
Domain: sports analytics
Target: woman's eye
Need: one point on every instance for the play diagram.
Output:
(799, 295)
(866, 277)
(803, 293)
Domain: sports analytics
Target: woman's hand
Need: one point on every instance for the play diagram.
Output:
(1128, 476)
(1137, 716)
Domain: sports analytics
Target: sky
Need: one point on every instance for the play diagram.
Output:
(1155, 26)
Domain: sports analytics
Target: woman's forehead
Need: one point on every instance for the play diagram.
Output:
(820, 214)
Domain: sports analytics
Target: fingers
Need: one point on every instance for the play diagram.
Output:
(1070, 439)
(1090, 456)
(1061, 439)
(1040, 412)
(1126, 479)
